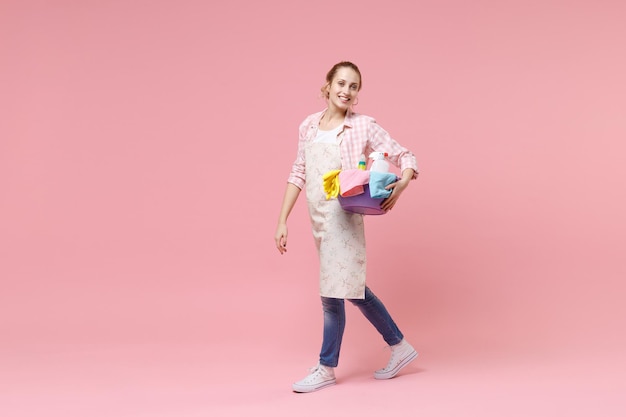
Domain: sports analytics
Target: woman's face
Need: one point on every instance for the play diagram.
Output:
(344, 88)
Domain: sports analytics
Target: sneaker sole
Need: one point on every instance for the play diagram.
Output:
(312, 388)
(404, 362)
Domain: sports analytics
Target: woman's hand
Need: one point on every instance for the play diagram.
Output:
(396, 189)
(289, 200)
(281, 238)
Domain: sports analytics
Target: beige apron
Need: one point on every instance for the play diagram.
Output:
(339, 235)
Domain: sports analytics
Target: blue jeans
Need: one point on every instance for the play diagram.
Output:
(335, 322)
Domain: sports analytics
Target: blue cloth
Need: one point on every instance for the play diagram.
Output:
(378, 182)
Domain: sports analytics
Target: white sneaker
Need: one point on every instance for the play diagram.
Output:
(401, 355)
(320, 377)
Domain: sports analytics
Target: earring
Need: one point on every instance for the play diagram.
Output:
(356, 101)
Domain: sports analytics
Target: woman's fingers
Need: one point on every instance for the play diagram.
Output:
(281, 239)
(282, 244)
(390, 201)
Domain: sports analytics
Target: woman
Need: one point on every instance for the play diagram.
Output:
(334, 139)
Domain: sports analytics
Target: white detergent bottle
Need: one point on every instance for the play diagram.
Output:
(379, 164)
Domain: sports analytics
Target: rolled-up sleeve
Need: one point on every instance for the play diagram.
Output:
(381, 141)
(298, 170)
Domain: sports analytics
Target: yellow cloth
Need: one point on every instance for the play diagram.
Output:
(331, 183)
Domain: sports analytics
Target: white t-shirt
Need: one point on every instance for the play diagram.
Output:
(328, 136)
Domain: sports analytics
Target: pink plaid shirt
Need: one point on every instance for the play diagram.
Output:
(361, 136)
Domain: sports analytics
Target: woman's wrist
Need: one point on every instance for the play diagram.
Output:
(408, 174)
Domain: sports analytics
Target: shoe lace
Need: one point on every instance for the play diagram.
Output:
(314, 369)
(392, 359)
(317, 369)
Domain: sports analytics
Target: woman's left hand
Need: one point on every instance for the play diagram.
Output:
(396, 189)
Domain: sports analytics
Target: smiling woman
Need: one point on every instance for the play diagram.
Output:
(334, 139)
(140, 144)
(342, 74)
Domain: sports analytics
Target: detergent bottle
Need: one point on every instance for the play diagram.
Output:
(362, 163)
(379, 164)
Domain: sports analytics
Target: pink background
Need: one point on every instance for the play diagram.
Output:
(144, 148)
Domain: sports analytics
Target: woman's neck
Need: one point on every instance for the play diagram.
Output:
(332, 118)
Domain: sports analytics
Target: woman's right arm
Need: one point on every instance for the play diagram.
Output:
(289, 200)
(295, 183)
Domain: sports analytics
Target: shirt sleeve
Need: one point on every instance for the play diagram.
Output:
(381, 141)
(298, 169)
